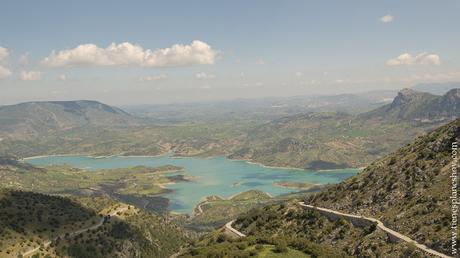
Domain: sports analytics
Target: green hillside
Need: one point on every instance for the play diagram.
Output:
(408, 190)
(29, 220)
(286, 227)
(324, 141)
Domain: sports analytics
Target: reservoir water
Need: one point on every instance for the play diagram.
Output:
(212, 176)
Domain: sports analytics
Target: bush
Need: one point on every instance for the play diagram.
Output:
(281, 246)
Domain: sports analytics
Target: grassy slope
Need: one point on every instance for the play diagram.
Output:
(269, 251)
(408, 190)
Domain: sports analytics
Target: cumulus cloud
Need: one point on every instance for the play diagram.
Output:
(387, 18)
(420, 59)
(31, 75)
(204, 75)
(4, 53)
(4, 72)
(198, 52)
(154, 77)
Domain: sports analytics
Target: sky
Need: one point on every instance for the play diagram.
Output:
(153, 52)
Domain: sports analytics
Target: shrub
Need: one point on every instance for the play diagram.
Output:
(281, 246)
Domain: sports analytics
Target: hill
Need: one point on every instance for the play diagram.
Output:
(32, 118)
(214, 211)
(137, 185)
(323, 141)
(286, 228)
(420, 107)
(407, 190)
(331, 140)
(79, 225)
(55, 226)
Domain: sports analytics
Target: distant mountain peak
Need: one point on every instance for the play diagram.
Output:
(412, 105)
(407, 95)
(455, 93)
(33, 118)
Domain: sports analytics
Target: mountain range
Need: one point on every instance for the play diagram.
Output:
(312, 140)
(33, 118)
(407, 189)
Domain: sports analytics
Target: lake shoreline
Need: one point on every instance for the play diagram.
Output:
(208, 176)
(184, 157)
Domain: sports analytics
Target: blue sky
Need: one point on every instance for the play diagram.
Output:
(251, 48)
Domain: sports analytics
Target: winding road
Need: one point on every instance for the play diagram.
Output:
(236, 232)
(74, 233)
(381, 226)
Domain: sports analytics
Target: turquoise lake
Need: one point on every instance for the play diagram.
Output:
(212, 176)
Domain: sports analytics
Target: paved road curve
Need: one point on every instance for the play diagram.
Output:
(229, 227)
(381, 226)
(74, 233)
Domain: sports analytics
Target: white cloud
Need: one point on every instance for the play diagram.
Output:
(298, 74)
(154, 77)
(204, 75)
(420, 59)
(387, 18)
(4, 72)
(63, 77)
(31, 75)
(4, 53)
(197, 52)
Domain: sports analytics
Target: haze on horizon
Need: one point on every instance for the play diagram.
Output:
(173, 51)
